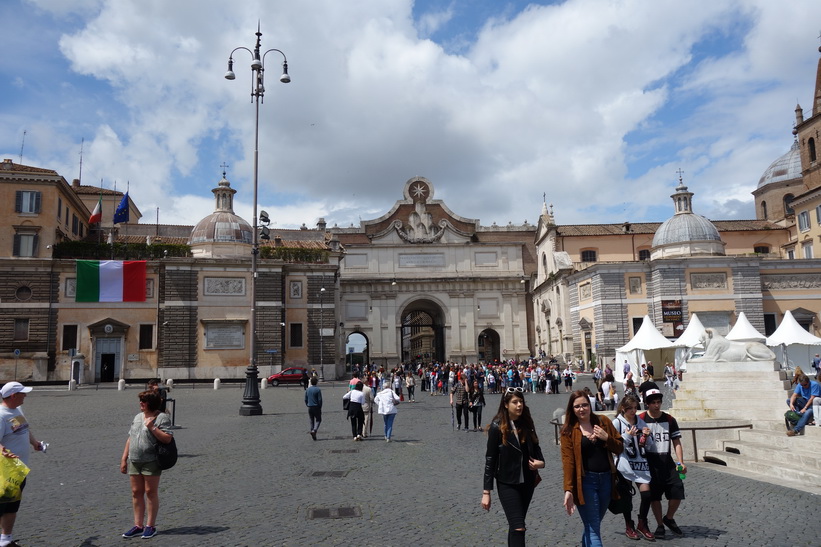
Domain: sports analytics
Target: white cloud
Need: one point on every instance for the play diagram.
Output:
(596, 103)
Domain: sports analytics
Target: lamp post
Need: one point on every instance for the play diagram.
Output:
(250, 397)
(321, 335)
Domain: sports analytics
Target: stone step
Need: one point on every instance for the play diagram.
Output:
(773, 468)
(726, 414)
(743, 385)
(763, 403)
(802, 454)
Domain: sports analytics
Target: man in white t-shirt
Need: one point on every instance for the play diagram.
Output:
(16, 440)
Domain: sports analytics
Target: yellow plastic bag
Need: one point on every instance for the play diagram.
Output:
(12, 474)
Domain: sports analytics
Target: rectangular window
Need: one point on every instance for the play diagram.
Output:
(59, 207)
(25, 245)
(21, 329)
(761, 249)
(66, 216)
(27, 202)
(296, 335)
(588, 256)
(75, 224)
(81, 230)
(807, 249)
(804, 221)
(818, 215)
(69, 337)
(791, 254)
(146, 336)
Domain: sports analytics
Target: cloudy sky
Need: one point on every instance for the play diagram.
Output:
(594, 103)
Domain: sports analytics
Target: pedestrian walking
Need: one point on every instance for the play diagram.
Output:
(589, 442)
(313, 400)
(459, 401)
(513, 458)
(367, 410)
(476, 402)
(665, 471)
(632, 464)
(17, 440)
(356, 415)
(410, 385)
(386, 401)
(139, 462)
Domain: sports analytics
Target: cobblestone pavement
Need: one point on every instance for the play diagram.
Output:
(251, 481)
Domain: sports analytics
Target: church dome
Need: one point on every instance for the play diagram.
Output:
(222, 226)
(685, 228)
(686, 233)
(787, 167)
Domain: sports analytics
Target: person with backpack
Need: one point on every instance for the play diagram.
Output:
(633, 466)
(665, 470)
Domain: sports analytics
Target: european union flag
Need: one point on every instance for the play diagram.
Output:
(121, 214)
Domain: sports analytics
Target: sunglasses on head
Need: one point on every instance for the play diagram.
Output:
(515, 390)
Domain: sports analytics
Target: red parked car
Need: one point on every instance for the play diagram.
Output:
(291, 375)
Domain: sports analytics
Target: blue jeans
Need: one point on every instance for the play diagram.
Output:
(805, 417)
(388, 424)
(596, 492)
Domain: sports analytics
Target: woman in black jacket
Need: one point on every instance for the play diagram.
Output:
(513, 457)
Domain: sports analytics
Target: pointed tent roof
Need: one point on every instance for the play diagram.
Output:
(648, 337)
(691, 337)
(790, 332)
(744, 331)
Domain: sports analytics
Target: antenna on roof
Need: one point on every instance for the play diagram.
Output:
(80, 178)
(22, 145)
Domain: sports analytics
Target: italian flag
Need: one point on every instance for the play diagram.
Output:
(97, 215)
(110, 281)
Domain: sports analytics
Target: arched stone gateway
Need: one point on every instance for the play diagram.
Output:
(422, 282)
(357, 350)
(489, 346)
(422, 332)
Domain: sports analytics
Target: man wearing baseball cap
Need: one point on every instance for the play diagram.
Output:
(16, 440)
(664, 470)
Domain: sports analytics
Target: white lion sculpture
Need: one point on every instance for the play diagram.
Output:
(718, 348)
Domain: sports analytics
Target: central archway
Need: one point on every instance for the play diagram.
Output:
(422, 332)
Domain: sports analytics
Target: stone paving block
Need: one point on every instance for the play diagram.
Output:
(246, 481)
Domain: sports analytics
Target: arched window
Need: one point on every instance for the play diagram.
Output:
(764, 210)
(788, 210)
(811, 148)
(589, 255)
(761, 249)
(644, 254)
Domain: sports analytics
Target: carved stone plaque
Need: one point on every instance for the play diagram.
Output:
(716, 280)
(224, 286)
(585, 291)
(224, 336)
(790, 282)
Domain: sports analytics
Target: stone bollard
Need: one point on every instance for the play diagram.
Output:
(216, 383)
(72, 385)
(121, 385)
(263, 384)
(170, 383)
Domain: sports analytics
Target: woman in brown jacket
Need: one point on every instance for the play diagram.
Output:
(589, 442)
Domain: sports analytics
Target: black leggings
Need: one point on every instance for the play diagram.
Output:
(357, 419)
(515, 499)
(477, 416)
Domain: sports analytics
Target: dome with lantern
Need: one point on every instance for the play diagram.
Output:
(222, 233)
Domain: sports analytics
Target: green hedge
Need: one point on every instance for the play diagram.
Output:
(118, 251)
(294, 254)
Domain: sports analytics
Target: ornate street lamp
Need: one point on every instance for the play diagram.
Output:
(250, 397)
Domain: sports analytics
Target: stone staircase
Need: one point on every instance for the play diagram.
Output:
(743, 394)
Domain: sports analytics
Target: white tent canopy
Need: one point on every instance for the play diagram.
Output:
(648, 340)
(790, 332)
(743, 331)
(691, 337)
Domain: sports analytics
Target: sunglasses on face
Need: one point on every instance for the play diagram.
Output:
(515, 390)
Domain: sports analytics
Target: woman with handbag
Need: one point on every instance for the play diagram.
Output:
(513, 458)
(139, 461)
(356, 415)
(589, 442)
(476, 401)
(633, 466)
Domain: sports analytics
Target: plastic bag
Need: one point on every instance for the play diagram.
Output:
(12, 474)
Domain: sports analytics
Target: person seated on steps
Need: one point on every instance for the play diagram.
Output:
(801, 401)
